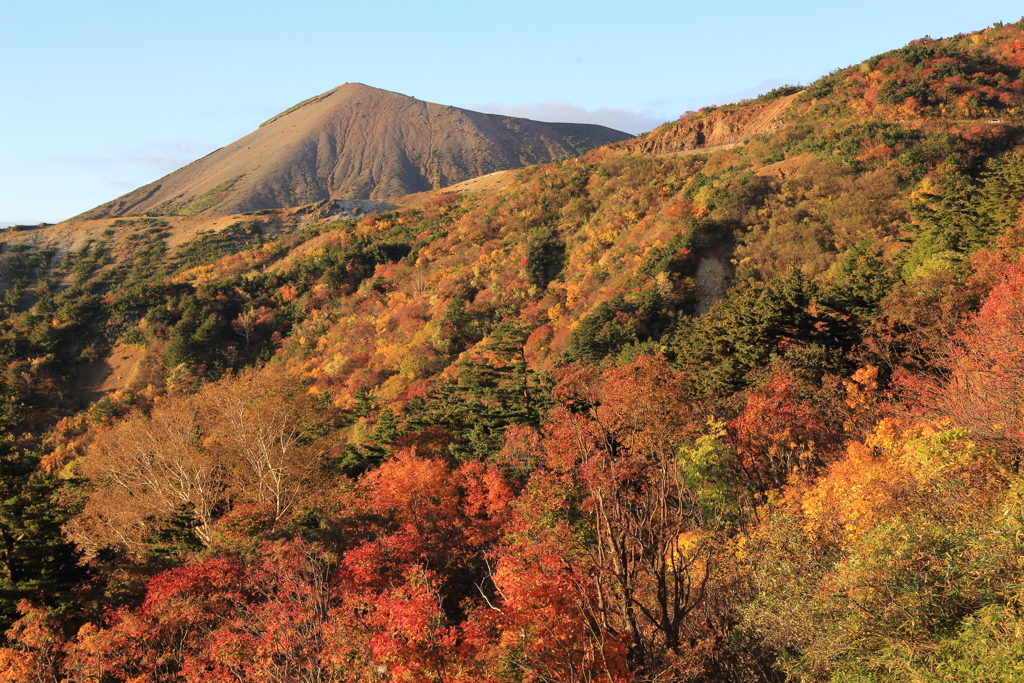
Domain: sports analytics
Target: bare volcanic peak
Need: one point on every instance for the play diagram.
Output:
(356, 142)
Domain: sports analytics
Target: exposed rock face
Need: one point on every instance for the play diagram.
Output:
(716, 129)
(356, 142)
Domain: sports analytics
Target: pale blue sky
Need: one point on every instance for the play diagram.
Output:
(102, 97)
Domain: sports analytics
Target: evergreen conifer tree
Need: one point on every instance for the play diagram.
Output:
(36, 561)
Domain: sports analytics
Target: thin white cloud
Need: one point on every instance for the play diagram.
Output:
(167, 157)
(92, 161)
(659, 104)
(162, 164)
(160, 157)
(628, 120)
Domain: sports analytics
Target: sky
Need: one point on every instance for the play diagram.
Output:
(100, 97)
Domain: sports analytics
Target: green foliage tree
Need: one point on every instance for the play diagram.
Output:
(36, 561)
(620, 322)
(756, 321)
(489, 392)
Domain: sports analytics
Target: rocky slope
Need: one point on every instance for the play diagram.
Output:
(716, 129)
(356, 142)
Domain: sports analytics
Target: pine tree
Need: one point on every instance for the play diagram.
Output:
(36, 562)
(183, 348)
(488, 393)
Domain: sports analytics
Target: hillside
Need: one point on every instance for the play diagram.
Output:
(355, 142)
(732, 409)
(717, 129)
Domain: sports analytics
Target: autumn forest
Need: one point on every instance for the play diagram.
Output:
(680, 408)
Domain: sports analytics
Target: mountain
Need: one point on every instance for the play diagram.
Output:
(356, 142)
(740, 400)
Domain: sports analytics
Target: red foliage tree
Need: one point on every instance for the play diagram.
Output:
(983, 385)
(779, 432)
(614, 597)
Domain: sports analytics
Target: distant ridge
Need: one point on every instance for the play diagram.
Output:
(356, 142)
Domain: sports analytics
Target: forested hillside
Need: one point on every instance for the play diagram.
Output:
(739, 400)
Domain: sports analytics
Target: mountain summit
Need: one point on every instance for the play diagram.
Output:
(356, 142)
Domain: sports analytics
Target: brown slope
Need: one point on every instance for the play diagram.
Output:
(718, 128)
(356, 142)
